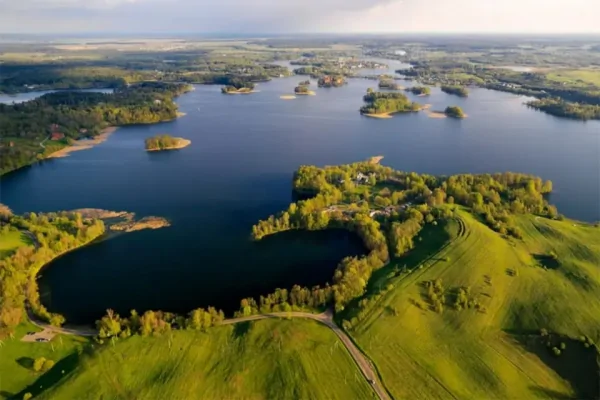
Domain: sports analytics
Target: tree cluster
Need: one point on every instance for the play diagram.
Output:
(563, 108)
(52, 234)
(387, 102)
(456, 90)
(161, 142)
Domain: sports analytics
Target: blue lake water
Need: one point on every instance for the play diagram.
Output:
(238, 169)
(27, 96)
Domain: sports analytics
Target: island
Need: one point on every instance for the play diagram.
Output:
(384, 104)
(165, 142)
(455, 112)
(328, 81)
(303, 90)
(561, 108)
(389, 84)
(419, 90)
(239, 88)
(304, 83)
(455, 90)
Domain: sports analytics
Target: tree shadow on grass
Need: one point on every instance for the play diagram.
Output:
(25, 362)
(241, 329)
(576, 363)
(549, 393)
(547, 261)
(46, 381)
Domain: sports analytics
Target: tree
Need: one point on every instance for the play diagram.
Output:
(48, 364)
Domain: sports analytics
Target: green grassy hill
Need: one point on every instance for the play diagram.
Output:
(493, 352)
(268, 359)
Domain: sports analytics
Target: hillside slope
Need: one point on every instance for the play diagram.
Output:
(268, 359)
(491, 350)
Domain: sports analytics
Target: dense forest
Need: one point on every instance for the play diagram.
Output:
(387, 102)
(49, 236)
(562, 108)
(74, 115)
(457, 90)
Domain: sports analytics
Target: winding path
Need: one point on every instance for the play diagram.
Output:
(326, 318)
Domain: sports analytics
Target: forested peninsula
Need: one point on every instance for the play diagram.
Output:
(32, 130)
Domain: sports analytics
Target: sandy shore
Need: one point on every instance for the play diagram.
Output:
(436, 114)
(84, 144)
(309, 93)
(287, 97)
(380, 116)
(180, 114)
(180, 145)
(375, 159)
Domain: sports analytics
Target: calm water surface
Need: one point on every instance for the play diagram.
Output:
(238, 169)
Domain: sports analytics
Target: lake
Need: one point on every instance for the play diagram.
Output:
(238, 170)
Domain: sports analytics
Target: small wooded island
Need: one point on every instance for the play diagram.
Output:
(328, 81)
(238, 88)
(455, 112)
(166, 142)
(383, 104)
(302, 89)
(389, 84)
(419, 90)
(456, 90)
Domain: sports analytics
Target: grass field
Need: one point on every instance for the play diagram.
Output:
(492, 353)
(16, 360)
(269, 359)
(10, 241)
(582, 77)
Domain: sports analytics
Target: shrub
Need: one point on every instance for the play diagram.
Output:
(48, 364)
(563, 345)
(38, 364)
(27, 396)
(556, 351)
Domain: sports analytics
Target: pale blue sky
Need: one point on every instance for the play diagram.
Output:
(280, 16)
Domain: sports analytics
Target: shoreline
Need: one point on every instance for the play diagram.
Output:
(287, 97)
(83, 144)
(309, 93)
(180, 145)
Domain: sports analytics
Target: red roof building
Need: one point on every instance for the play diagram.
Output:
(57, 136)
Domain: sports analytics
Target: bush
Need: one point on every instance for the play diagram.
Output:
(556, 351)
(48, 364)
(27, 396)
(563, 345)
(38, 364)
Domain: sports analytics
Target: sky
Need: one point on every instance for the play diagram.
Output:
(294, 16)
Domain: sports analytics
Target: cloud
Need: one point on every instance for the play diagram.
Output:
(280, 16)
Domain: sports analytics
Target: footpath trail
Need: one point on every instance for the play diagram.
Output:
(326, 318)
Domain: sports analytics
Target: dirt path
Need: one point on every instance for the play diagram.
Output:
(325, 318)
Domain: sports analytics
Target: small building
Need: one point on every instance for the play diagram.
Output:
(57, 136)
(82, 130)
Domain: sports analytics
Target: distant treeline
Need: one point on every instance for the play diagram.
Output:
(562, 108)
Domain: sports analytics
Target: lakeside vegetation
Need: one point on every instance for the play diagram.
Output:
(75, 115)
(165, 142)
(303, 90)
(561, 108)
(455, 112)
(328, 81)
(389, 84)
(47, 236)
(386, 103)
(456, 90)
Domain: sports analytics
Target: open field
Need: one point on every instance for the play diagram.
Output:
(488, 352)
(576, 76)
(16, 360)
(280, 359)
(10, 241)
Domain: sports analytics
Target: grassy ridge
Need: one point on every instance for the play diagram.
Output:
(477, 354)
(269, 359)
